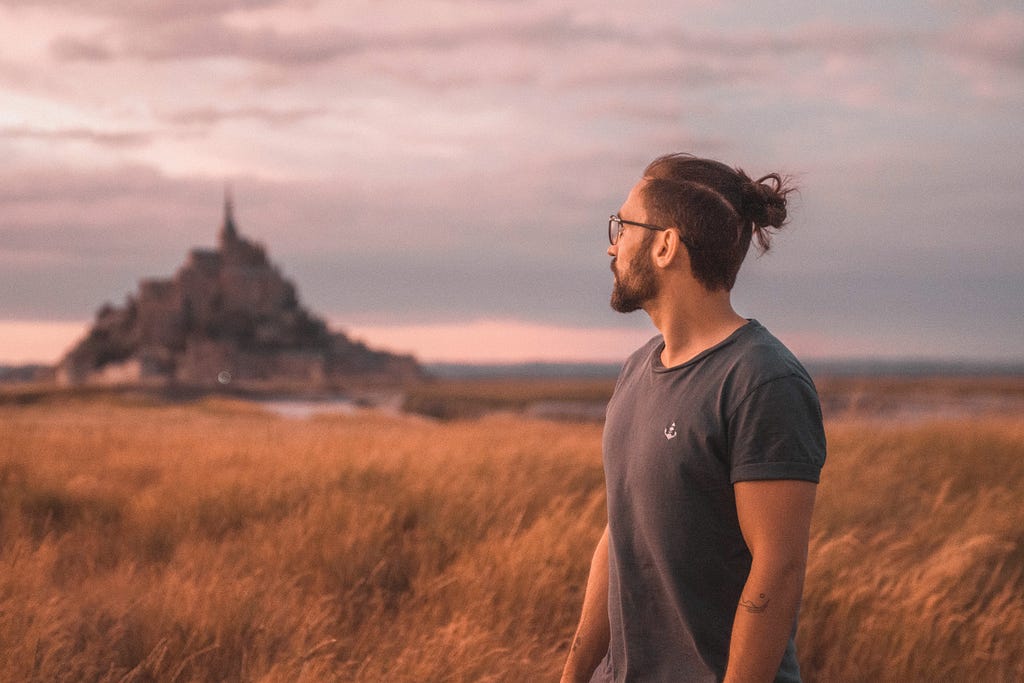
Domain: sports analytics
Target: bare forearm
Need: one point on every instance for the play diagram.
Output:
(590, 642)
(775, 518)
(764, 622)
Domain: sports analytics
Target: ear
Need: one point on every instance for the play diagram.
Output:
(667, 248)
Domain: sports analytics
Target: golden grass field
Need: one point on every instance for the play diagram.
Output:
(212, 541)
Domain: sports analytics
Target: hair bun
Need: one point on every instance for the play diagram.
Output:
(764, 201)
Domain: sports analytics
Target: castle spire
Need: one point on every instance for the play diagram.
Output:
(228, 232)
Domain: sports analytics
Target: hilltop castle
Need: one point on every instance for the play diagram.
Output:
(226, 317)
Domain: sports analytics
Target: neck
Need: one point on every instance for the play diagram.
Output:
(692, 320)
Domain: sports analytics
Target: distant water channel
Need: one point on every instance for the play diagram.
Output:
(299, 409)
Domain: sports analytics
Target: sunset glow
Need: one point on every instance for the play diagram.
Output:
(452, 165)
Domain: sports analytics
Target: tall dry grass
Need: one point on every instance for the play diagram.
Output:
(216, 542)
(917, 555)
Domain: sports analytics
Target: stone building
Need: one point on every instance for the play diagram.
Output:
(227, 316)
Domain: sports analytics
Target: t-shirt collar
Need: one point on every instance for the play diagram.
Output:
(657, 365)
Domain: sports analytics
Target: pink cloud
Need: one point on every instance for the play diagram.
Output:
(78, 134)
(78, 49)
(989, 54)
(504, 341)
(273, 116)
(37, 341)
(997, 39)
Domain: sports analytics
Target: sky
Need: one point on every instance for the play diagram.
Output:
(436, 176)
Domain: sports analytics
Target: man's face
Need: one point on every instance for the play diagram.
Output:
(635, 279)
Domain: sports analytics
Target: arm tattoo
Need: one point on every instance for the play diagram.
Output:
(753, 607)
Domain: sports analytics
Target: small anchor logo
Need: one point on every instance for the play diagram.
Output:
(670, 431)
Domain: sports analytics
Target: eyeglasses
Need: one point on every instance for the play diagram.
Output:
(615, 227)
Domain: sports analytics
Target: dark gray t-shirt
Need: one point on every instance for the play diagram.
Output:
(675, 441)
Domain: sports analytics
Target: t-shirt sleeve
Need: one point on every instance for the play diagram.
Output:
(776, 432)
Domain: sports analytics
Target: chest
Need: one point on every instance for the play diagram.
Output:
(666, 437)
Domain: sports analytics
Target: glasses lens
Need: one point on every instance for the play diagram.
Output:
(613, 229)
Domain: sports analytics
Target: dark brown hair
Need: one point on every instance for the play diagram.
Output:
(718, 211)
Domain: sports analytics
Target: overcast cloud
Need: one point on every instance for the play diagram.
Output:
(452, 162)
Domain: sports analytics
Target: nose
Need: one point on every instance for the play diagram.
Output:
(613, 249)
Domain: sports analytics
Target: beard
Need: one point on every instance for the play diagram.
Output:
(638, 286)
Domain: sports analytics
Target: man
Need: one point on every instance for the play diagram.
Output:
(713, 445)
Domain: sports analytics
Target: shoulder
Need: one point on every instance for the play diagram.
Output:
(774, 415)
(758, 358)
(760, 355)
